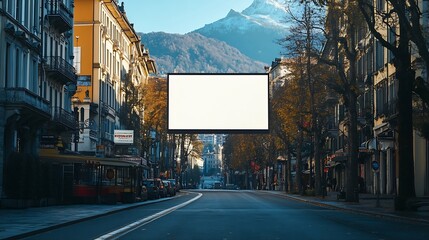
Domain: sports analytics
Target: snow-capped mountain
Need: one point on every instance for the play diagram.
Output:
(272, 11)
(194, 53)
(255, 31)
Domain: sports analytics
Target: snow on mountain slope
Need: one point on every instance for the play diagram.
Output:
(273, 11)
(255, 31)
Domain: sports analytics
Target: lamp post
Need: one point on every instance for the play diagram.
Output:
(77, 129)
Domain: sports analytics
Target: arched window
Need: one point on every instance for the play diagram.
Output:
(82, 114)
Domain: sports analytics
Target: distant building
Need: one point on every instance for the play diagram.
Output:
(212, 152)
(277, 73)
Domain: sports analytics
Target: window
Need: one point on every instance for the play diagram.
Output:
(393, 89)
(45, 89)
(379, 56)
(18, 10)
(7, 66)
(51, 46)
(51, 95)
(61, 51)
(380, 5)
(26, 15)
(10, 6)
(17, 67)
(381, 98)
(34, 75)
(25, 82)
(45, 45)
(391, 38)
(35, 16)
(77, 59)
(82, 114)
(61, 99)
(55, 99)
(102, 94)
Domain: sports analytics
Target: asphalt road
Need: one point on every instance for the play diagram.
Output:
(245, 215)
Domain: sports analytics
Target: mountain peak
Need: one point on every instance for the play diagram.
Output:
(273, 8)
(254, 31)
(233, 13)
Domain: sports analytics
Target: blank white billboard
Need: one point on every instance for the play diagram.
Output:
(218, 103)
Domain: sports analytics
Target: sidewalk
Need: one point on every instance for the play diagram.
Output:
(19, 223)
(23, 222)
(367, 205)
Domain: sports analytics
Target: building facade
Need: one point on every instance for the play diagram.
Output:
(112, 64)
(36, 84)
(377, 115)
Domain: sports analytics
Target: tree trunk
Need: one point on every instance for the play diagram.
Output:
(289, 171)
(404, 139)
(298, 174)
(353, 145)
(317, 169)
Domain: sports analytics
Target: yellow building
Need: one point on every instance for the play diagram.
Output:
(108, 55)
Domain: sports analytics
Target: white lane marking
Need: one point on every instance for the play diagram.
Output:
(122, 231)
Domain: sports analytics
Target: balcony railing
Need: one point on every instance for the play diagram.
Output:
(107, 136)
(60, 69)
(60, 15)
(93, 134)
(65, 118)
(389, 108)
(107, 110)
(23, 98)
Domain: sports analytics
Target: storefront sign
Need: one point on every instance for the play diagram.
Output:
(48, 141)
(123, 137)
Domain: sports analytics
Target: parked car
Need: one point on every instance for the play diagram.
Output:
(208, 184)
(217, 185)
(163, 191)
(155, 188)
(169, 188)
(174, 185)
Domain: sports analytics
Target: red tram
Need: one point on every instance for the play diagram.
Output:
(88, 179)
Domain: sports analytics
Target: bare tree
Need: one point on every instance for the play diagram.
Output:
(305, 41)
(403, 19)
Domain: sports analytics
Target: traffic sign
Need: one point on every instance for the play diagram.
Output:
(375, 165)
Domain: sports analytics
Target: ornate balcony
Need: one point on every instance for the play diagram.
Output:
(107, 110)
(389, 108)
(93, 134)
(65, 118)
(60, 15)
(25, 101)
(60, 69)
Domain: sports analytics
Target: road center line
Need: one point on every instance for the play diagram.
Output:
(124, 230)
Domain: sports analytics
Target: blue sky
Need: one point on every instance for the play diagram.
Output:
(178, 16)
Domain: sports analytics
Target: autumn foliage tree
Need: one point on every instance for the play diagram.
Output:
(154, 104)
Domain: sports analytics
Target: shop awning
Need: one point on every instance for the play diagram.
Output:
(378, 144)
(52, 155)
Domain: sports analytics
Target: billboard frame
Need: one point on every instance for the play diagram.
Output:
(223, 130)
